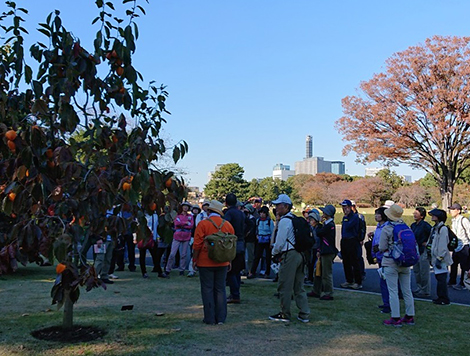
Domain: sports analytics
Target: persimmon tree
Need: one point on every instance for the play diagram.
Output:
(416, 112)
(54, 188)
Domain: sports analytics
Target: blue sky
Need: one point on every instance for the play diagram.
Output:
(249, 79)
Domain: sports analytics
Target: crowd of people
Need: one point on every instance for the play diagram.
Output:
(266, 247)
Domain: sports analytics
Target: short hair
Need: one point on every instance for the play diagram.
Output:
(231, 199)
(381, 211)
(421, 211)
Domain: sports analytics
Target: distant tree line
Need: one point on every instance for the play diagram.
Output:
(329, 188)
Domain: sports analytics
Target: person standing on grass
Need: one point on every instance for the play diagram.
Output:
(291, 270)
(350, 245)
(237, 219)
(461, 227)
(212, 274)
(394, 273)
(381, 219)
(264, 231)
(183, 224)
(326, 252)
(421, 270)
(440, 255)
(250, 236)
(362, 235)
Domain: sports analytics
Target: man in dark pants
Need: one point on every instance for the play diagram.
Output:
(237, 219)
(350, 245)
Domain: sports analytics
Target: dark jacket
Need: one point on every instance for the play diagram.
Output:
(237, 219)
(250, 229)
(327, 236)
(351, 226)
(422, 231)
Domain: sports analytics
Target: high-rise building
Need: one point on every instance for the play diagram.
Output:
(338, 167)
(308, 147)
(282, 171)
(312, 166)
(372, 172)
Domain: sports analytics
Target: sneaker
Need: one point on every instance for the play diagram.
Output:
(145, 275)
(191, 274)
(231, 300)
(408, 320)
(303, 319)
(458, 287)
(382, 306)
(386, 310)
(279, 317)
(113, 276)
(356, 286)
(396, 322)
(313, 294)
(326, 297)
(163, 275)
(346, 285)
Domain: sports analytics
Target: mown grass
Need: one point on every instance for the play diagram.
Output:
(351, 324)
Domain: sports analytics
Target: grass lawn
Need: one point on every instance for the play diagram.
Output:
(351, 324)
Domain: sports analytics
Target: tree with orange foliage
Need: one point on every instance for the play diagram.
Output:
(416, 112)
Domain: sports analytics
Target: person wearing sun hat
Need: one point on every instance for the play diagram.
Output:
(326, 252)
(394, 273)
(212, 274)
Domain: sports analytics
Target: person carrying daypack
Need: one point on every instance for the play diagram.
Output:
(264, 231)
(460, 256)
(396, 242)
(291, 270)
(212, 274)
(440, 255)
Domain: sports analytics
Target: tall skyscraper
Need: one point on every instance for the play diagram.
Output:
(309, 147)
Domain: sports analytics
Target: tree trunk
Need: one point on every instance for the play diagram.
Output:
(447, 191)
(67, 321)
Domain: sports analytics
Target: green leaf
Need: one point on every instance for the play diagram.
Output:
(176, 154)
(47, 33)
(37, 88)
(28, 74)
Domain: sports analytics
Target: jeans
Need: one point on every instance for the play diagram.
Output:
(214, 300)
(460, 258)
(422, 274)
(291, 280)
(351, 262)
(392, 275)
(183, 248)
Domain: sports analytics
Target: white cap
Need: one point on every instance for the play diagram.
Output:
(388, 204)
(282, 198)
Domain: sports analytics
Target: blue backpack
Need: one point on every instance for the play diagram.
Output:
(405, 249)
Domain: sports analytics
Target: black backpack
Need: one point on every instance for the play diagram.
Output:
(453, 240)
(304, 239)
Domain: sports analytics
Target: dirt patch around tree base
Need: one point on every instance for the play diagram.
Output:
(74, 335)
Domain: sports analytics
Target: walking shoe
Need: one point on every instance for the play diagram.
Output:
(107, 281)
(346, 285)
(356, 286)
(145, 275)
(113, 276)
(396, 322)
(191, 274)
(313, 294)
(231, 300)
(279, 317)
(382, 306)
(303, 319)
(386, 310)
(326, 297)
(408, 320)
(163, 275)
(458, 287)
(440, 302)
(132, 268)
(250, 276)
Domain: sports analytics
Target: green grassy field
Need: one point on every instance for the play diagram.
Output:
(351, 324)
